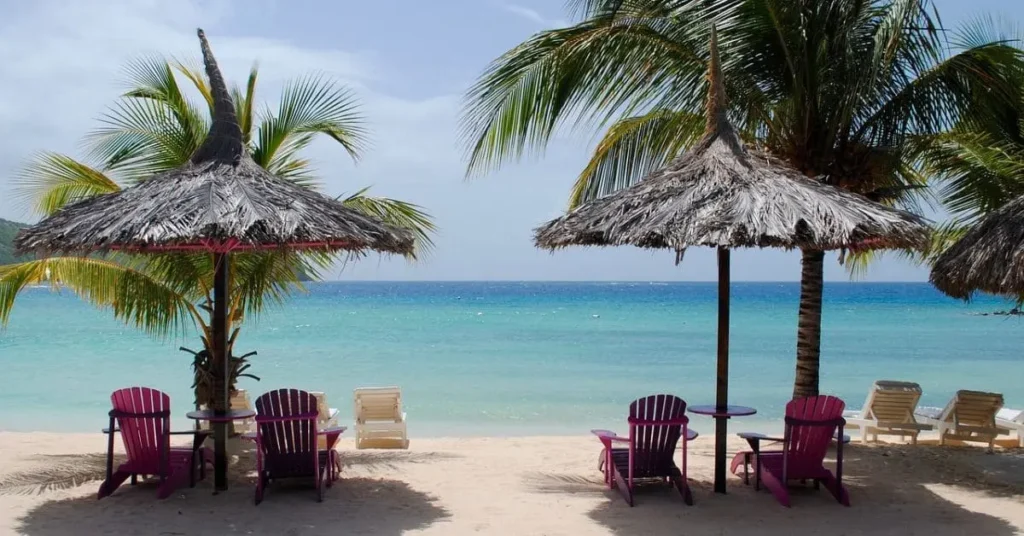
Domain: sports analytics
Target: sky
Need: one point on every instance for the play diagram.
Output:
(409, 63)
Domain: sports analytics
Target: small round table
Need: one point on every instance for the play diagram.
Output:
(726, 412)
(220, 453)
(721, 414)
(212, 416)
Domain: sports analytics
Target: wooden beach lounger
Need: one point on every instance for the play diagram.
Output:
(143, 417)
(969, 416)
(655, 425)
(286, 441)
(1012, 419)
(328, 418)
(380, 421)
(811, 425)
(888, 410)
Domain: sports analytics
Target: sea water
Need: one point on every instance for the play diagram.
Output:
(520, 358)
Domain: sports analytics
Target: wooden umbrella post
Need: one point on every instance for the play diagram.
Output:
(220, 344)
(722, 388)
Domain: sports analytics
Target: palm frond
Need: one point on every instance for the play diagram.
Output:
(399, 214)
(263, 277)
(51, 180)
(632, 148)
(193, 72)
(309, 107)
(244, 105)
(145, 136)
(133, 295)
(589, 74)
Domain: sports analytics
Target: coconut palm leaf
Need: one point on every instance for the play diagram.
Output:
(632, 148)
(154, 127)
(309, 107)
(123, 287)
(244, 105)
(589, 74)
(193, 72)
(51, 180)
(399, 214)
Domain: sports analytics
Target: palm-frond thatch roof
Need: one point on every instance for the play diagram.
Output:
(988, 258)
(221, 196)
(722, 194)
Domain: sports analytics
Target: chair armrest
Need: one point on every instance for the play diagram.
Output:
(332, 430)
(607, 437)
(757, 437)
(107, 430)
(249, 436)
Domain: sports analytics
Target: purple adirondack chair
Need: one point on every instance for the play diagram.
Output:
(143, 417)
(286, 441)
(811, 424)
(655, 425)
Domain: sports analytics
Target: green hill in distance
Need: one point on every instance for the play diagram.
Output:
(8, 229)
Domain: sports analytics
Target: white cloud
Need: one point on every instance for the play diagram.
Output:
(533, 15)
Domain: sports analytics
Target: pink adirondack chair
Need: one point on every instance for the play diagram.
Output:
(286, 441)
(143, 417)
(655, 425)
(811, 425)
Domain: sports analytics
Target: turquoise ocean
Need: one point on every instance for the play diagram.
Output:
(509, 358)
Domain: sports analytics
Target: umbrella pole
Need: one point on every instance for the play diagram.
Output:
(220, 344)
(722, 387)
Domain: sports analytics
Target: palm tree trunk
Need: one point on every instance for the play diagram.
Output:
(808, 335)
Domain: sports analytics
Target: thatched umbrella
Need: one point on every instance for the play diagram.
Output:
(723, 195)
(988, 258)
(221, 201)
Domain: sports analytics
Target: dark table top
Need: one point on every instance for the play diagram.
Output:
(727, 411)
(228, 416)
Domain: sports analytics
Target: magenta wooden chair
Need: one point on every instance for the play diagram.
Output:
(811, 425)
(143, 418)
(286, 441)
(655, 425)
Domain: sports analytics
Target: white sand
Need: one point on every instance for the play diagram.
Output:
(520, 486)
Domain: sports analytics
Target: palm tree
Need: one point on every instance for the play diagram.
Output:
(155, 127)
(835, 87)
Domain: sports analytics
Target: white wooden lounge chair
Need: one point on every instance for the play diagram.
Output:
(380, 421)
(1012, 419)
(328, 417)
(969, 416)
(888, 410)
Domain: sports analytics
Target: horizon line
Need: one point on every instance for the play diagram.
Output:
(601, 281)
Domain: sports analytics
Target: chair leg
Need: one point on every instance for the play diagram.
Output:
(111, 485)
(684, 489)
(134, 479)
(838, 491)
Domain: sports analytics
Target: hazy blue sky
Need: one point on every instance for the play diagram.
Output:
(410, 63)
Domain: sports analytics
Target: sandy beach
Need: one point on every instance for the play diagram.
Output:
(527, 485)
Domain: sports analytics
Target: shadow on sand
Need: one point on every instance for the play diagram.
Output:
(353, 505)
(894, 490)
